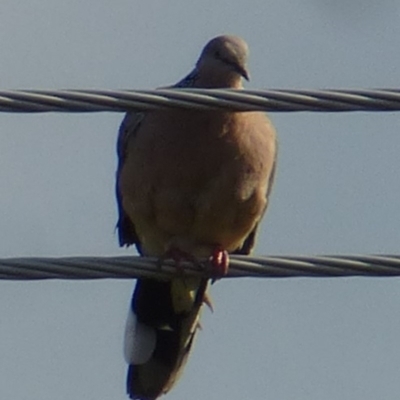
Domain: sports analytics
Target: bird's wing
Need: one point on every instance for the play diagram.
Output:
(250, 240)
(127, 132)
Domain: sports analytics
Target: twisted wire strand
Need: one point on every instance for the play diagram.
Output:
(129, 267)
(200, 99)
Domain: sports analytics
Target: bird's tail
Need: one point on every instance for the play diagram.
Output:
(160, 329)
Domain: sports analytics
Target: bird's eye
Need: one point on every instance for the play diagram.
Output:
(217, 54)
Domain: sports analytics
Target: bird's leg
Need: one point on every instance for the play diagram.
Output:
(219, 262)
(179, 256)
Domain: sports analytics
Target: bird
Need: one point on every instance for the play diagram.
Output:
(189, 184)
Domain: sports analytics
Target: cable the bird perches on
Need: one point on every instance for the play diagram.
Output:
(241, 266)
(33, 101)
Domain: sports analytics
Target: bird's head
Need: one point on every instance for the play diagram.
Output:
(223, 61)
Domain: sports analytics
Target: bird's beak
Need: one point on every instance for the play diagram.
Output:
(243, 71)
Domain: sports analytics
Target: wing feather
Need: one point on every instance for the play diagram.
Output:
(126, 229)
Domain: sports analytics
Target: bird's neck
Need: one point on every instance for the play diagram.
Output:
(210, 80)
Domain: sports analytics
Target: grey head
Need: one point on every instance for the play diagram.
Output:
(226, 52)
(222, 63)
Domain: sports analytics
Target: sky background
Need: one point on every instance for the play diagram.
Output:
(337, 192)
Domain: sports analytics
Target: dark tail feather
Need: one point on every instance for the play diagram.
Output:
(153, 306)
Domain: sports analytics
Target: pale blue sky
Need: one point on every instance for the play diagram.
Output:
(337, 191)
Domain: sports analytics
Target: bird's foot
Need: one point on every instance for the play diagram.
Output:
(219, 263)
(179, 256)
